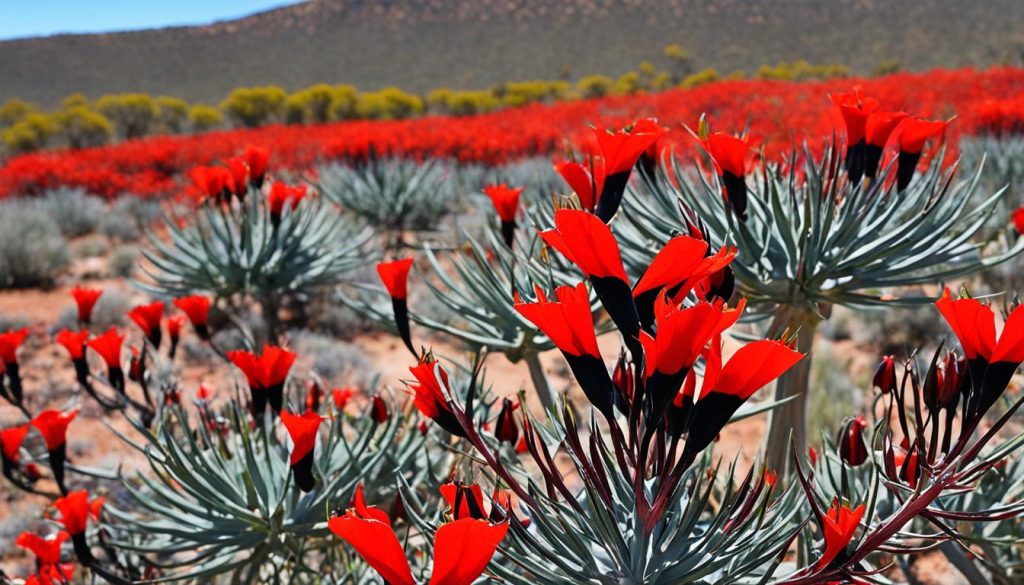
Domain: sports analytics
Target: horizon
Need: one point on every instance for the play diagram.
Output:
(52, 18)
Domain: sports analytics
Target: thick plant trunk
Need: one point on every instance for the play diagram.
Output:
(790, 419)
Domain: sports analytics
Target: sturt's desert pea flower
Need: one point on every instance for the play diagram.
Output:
(877, 130)
(677, 268)
(148, 318)
(379, 411)
(912, 134)
(281, 195)
(569, 325)
(726, 388)
(852, 447)
(589, 244)
(108, 346)
(85, 301)
(991, 361)
(1018, 220)
(53, 426)
(855, 110)
(619, 153)
(505, 428)
(730, 156)
(75, 342)
(585, 181)
(46, 550)
(885, 375)
(341, 396)
(10, 447)
(266, 374)
(197, 308)
(682, 334)
(506, 202)
(303, 431)
(174, 325)
(75, 510)
(838, 526)
(395, 276)
(256, 158)
(213, 183)
(464, 501)
(9, 344)
(239, 176)
(429, 396)
(462, 548)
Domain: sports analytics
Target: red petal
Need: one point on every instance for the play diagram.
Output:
(462, 550)
(376, 542)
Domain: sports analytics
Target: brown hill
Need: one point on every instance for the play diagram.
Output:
(476, 43)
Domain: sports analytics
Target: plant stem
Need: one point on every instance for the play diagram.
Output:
(791, 417)
(540, 382)
(967, 568)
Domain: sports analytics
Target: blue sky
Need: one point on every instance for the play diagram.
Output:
(29, 18)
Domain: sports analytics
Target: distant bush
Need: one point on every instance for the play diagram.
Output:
(389, 103)
(888, 67)
(32, 250)
(74, 211)
(595, 86)
(132, 113)
(122, 260)
(254, 106)
(32, 132)
(801, 70)
(81, 127)
(15, 110)
(344, 99)
(202, 118)
(462, 103)
(311, 105)
(129, 216)
(173, 114)
(699, 78)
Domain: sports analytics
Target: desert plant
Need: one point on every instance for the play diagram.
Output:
(32, 250)
(132, 113)
(254, 106)
(75, 212)
(815, 235)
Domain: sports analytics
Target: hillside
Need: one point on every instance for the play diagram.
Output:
(477, 43)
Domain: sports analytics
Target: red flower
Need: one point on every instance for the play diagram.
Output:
(368, 530)
(429, 397)
(9, 344)
(852, 448)
(680, 266)
(213, 182)
(239, 175)
(880, 125)
(280, 195)
(914, 132)
(197, 307)
(505, 199)
(265, 374)
(464, 501)
(726, 388)
(379, 410)
(108, 346)
(341, 396)
(256, 158)
(148, 317)
(303, 431)
(85, 299)
(11, 440)
(74, 511)
(586, 182)
(395, 276)
(74, 342)
(174, 324)
(53, 426)
(266, 370)
(462, 549)
(567, 322)
(838, 526)
(855, 110)
(620, 150)
(505, 428)
(588, 243)
(729, 155)
(1018, 220)
(885, 375)
(46, 550)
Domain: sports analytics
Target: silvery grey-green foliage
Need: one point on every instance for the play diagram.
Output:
(74, 211)
(33, 253)
(224, 503)
(227, 251)
(393, 195)
(819, 239)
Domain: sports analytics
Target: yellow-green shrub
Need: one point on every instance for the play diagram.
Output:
(700, 78)
(389, 103)
(82, 128)
(132, 113)
(202, 118)
(344, 99)
(15, 110)
(32, 132)
(593, 86)
(254, 106)
(173, 113)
